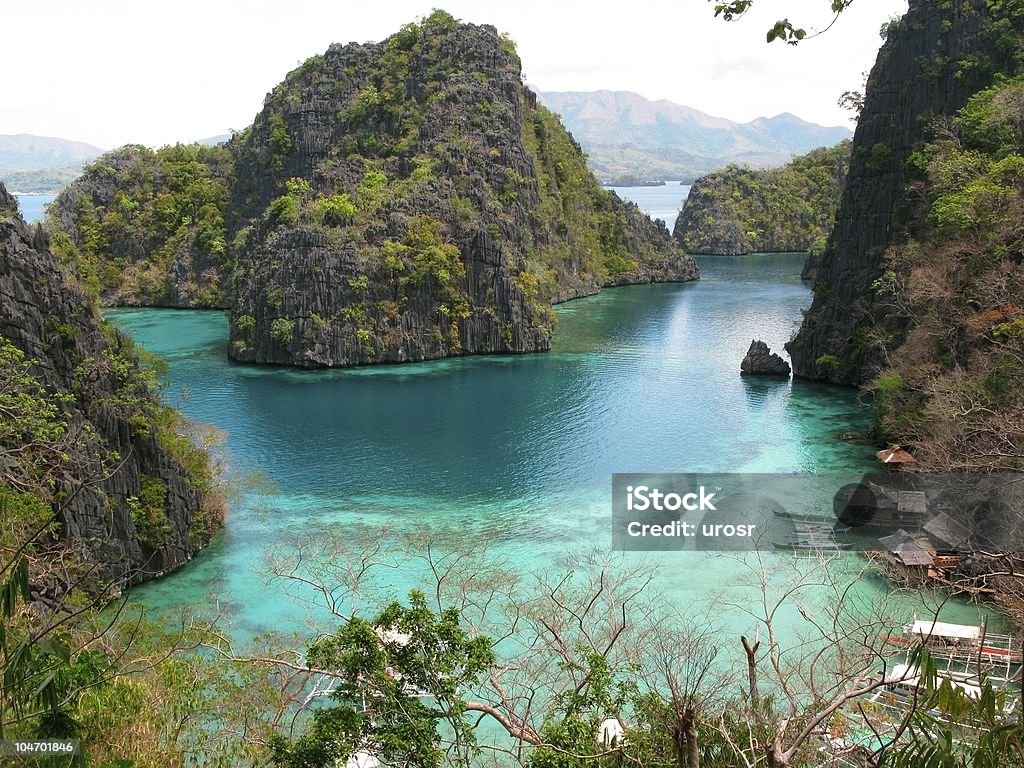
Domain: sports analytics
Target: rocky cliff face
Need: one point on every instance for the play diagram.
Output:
(761, 361)
(440, 210)
(932, 61)
(742, 210)
(146, 228)
(403, 200)
(126, 502)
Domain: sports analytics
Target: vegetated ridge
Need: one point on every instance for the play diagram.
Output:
(394, 201)
(742, 210)
(921, 286)
(627, 137)
(89, 457)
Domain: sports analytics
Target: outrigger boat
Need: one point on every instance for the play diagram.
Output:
(961, 642)
(805, 542)
(806, 517)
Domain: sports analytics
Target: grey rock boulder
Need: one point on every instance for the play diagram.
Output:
(761, 361)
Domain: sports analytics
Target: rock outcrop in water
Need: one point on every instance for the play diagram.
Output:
(761, 361)
(932, 61)
(741, 210)
(132, 495)
(395, 201)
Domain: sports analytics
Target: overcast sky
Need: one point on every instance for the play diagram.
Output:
(111, 72)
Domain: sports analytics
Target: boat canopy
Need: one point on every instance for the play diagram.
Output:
(909, 677)
(941, 629)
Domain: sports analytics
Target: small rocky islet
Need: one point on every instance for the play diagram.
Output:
(761, 361)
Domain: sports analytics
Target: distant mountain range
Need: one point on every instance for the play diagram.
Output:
(25, 152)
(630, 138)
(42, 163)
(627, 138)
(212, 141)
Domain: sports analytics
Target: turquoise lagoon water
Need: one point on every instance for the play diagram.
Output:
(661, 202)
(33, 206)
(519, 449)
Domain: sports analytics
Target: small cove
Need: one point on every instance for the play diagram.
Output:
(519, 450)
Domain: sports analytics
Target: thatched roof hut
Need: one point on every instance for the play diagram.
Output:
(894, 457)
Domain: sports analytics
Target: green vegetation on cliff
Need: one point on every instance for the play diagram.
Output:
(147, 227)
(952, 385)
(394, 201)
(933, 61)
(101, 487)
(742, 210)
(921, 283)
(84, 432)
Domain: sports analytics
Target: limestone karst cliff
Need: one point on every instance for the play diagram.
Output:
(921, 292)
(740, 210)
(932, 61)
(393, 201)
(83, 435)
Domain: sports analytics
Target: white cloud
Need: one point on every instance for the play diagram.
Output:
(111, 72)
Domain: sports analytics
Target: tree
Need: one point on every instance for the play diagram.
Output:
(550, 658)
(783, 29)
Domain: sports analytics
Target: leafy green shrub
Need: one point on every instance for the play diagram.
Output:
(243, 323)
(320, 323)
(149, 511)
(336, 209)
(366, 101)
(280, 141)
(432, 257)
(993, 119)
(439, 19)
(888, 383)
(827, 361)
(282, 330)
(241, 239)
(298, 187)
(373, 191)
(284, 210)
(1011, 330)
(879, 157)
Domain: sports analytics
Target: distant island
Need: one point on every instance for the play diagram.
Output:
(442, 213)
(740, 210)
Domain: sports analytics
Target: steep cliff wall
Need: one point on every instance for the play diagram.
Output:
(440, 210)
(393, 201)
(932, 61)
(146, 228)
(132, 496)
(743, 210)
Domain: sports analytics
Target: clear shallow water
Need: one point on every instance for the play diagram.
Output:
(520, 449)
(657, 202)
(33, 207)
